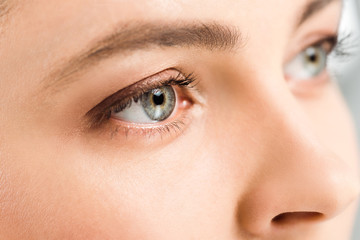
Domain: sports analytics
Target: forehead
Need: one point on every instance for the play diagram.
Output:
(96, 15)
(55, 22)
(90, 17)
(169, 10)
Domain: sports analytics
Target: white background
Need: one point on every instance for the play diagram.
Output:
(349, 73)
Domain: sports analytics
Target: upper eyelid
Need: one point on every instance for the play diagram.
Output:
(320, 43)
(317, 41)
(333, 40)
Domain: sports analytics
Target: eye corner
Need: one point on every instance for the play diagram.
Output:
(95, 118)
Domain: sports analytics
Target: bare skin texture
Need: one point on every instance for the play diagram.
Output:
(250, 152)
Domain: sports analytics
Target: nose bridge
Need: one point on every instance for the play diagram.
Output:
(295, 175)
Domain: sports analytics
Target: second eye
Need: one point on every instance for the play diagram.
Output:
(308, 64)
(153, 106)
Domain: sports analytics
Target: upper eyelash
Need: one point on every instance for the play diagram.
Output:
(341, 46)
(101, 112)
(185, 81)
(344, 46)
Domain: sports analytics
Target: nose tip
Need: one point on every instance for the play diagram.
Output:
(319, 199)
(296, 193)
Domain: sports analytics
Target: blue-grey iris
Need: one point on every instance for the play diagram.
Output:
(159, 103)
(314, 60)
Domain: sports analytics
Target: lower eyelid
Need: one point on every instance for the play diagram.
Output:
(311, 87)
(142, 133)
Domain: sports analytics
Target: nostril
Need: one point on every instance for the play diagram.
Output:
(296, 217)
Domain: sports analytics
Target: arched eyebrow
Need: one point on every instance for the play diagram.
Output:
(312, 8)
(138, 36)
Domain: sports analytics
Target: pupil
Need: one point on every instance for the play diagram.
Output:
(313, 58)
(158, 98)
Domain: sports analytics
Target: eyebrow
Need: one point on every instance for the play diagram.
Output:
(314, 7)
(128, 38)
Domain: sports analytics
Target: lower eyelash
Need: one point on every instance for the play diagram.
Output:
(176, 127)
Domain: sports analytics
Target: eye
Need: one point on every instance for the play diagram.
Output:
(151, 100)
(311, 62)
(308, 64)
(153, 106)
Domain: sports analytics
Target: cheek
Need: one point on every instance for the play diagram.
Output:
(65, 193)
(43, 195)
(175, 189)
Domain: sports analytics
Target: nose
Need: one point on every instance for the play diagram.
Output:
(296, 182)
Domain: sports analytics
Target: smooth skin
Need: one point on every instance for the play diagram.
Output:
(258, 156)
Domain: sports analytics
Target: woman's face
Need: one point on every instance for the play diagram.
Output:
(175, 119)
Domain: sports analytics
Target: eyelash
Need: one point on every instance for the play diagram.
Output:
(175, 126)
(341, 49)
(342, 46)
(180, 81)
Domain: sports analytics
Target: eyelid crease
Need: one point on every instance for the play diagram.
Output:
(124, 97)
